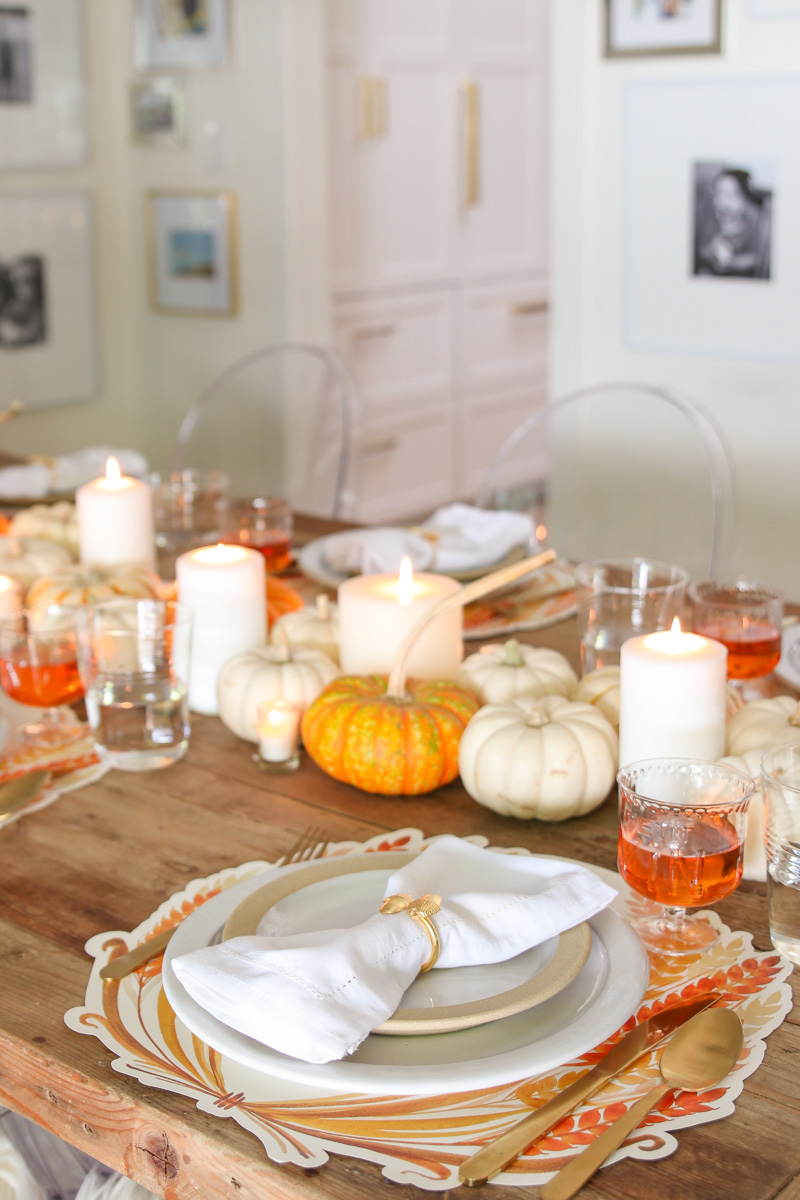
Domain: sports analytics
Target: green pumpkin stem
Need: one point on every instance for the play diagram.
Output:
(513, 656)
(794, 719)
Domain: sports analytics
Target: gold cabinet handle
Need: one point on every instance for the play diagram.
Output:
(365, 108)
(527, 308)
(373, 120)
(373, 331)
(379, 446)
(472, 99)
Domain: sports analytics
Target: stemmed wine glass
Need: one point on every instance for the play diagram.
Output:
(681, 843)
(39, 667)
(747, 619)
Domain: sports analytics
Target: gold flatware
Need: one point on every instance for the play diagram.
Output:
(645, 1036)
(698, 1056)
(311, 844)
(17, 792)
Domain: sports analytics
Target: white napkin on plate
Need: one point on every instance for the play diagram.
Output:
(317, 996)
(459, 538)
(66, 472)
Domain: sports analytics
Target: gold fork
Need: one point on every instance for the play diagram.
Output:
(311, 844)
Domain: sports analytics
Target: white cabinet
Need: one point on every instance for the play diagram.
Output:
(438, 165)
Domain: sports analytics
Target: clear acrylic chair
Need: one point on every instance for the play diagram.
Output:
(280, 420)
(622, 469)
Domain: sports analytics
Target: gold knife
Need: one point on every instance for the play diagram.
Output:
(489, 1161)
(131, 959)
(17, 792)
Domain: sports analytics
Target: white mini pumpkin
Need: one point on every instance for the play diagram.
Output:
(601, 688)
(755, 859)
(81, 583)
(314, 627)
(761, 724)
(549, 758)
(269, 673)
(499, 673)
(26, 558)
(53, 522)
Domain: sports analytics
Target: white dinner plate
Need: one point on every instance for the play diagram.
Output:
(788, 669)
(312, 562)
(341, 892)
(604, 994)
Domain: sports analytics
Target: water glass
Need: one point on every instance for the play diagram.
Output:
(780, 791)
(188, 508)
(134, 662)
(263, 523)
(621, 598)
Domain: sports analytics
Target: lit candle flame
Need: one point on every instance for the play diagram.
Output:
(221, 553)
(405, 582)
(675, 627)
(675, 641)
(113, 473)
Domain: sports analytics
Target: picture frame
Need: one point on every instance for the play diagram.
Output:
(647, 27)
(710, 243)
(42, 84)
(193, 252)
(774, 8)
(180, 35)
(47, 302)
(158, 113)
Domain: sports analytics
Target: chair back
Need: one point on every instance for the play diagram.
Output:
(278, 420)
(622, 469)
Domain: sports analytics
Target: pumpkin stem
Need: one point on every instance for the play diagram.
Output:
(794, 719)
(283, 646)
(323, 605)
(513, 657)
(465, 595)
(537, 718)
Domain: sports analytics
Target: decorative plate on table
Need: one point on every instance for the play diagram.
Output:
(312, 562)
(338, 893)
(544, 599)
(788, 669)
(603, 994)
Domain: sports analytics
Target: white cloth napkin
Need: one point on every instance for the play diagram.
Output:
(461, 538)
(316, 996)
(68, 471)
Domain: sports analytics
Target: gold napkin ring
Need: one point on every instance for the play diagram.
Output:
(420, 911)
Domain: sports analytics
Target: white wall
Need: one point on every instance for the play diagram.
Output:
(755, 400)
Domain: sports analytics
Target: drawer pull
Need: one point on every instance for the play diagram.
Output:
(528, 308)
(374, 331)
(380, 446)
(471, 143)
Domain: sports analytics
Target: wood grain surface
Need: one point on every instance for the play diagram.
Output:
(106, 856)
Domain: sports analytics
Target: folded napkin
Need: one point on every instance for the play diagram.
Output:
(316, 996)
(457, 537)
(63, 474)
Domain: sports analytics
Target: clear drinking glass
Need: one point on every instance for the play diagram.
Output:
(620, 598)
(746, 618)
(682, 826)
(134, 662)
(263, 523)
(39, 667)
(188, 509)
(780, 790)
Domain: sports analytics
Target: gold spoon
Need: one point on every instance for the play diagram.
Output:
(698, 1056)
(17, 792)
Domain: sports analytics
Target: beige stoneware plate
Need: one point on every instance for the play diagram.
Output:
(345, 891)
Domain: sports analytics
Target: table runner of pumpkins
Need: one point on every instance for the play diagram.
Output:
(421, 1140)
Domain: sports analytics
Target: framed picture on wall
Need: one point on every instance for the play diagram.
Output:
(47, 308)
(181, 34)
(663, 27)
(193, 253)
(774, 8)
(158, 113)
(42, 91)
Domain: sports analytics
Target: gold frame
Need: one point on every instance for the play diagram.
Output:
(714, 47)
(230, 232)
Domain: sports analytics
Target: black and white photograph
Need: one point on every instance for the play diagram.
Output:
(732, 220)
(22, 301)
(16, 75)
(158, 113)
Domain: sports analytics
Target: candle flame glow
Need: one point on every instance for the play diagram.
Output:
(405, 582)
(220, 554)
(675, 627)
(675, 641)
(113, 473)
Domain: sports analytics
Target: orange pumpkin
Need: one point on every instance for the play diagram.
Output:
(392, 745)
(280, 599)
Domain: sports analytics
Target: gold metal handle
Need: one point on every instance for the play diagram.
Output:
(365, 108)
(527, 308)
(380, 108)
(472, 97)
(373, 331)
(380, 446)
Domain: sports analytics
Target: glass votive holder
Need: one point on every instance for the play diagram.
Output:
(262, 523)
(278, 728)
(188, 508)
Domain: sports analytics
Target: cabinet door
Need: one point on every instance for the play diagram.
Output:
(404, 466)
(500, 49)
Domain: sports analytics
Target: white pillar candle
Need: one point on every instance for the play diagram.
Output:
(377, 611)
(672, 697)
(226, 586)
(115, 519)
(278, 727)
(10, 595)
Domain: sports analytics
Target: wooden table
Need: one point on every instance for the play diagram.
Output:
(106, 856)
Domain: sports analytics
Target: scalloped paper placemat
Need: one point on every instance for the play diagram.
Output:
(421, 1140)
